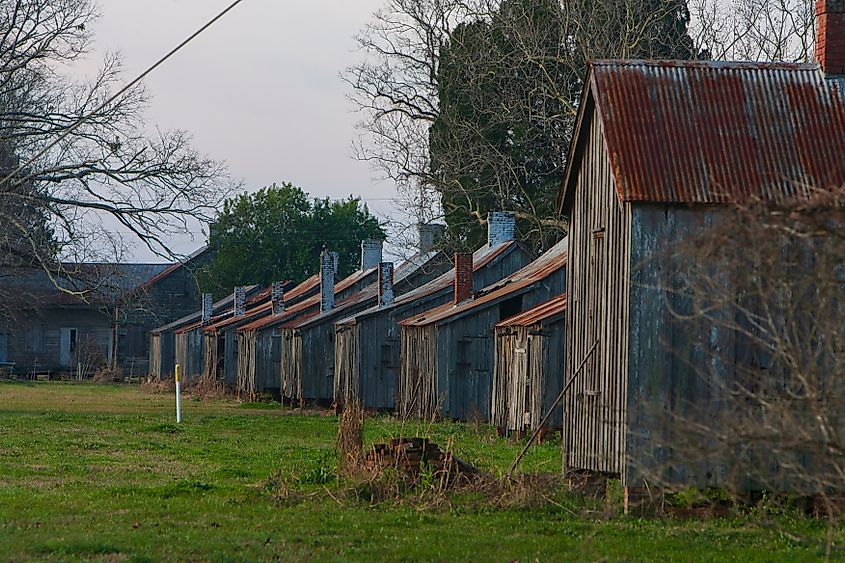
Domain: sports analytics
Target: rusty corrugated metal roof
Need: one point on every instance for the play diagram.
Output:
(551, 308)
(480, 259)
(265, 320)
(714, 132)
(546, 265)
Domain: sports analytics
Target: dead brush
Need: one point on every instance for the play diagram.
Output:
(108, 375)
(350, 440)
(158, 387)
(206, 389)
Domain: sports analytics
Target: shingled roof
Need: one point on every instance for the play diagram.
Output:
(713, 132)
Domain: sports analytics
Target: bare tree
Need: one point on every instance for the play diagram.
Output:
(469, 106)
(754, 30)
(758, 400)
(109, 177)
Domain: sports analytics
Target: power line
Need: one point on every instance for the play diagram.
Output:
(119, 93)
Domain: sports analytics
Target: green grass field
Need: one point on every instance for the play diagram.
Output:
(104, 473)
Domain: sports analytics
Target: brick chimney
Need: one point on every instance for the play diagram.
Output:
(207, 307)
(278, 297)
(370, 254)
(830, 37)
(430, 235)
(385, 284)
(463, 277)
(327, 273)
(501, 226)
(240, 301)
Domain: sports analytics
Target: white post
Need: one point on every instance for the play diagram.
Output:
(178, 398)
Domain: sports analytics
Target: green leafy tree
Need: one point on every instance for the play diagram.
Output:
(278, 232)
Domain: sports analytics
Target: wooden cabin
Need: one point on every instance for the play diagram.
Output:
(309, 365)
(447, 352)
(259, 347)
(367, 345)
(658, 148)
(219, 338)
(163, 339)
(528, 368)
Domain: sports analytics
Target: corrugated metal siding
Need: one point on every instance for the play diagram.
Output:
(699, 132)
(597, 311)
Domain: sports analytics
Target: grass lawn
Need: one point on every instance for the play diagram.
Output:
(102, 472)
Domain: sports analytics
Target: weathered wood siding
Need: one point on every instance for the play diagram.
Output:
(465, 365)
(374, 363)
(347, 383)
(598, 288)
(289, 367)
(35, 343)
(669, 379)
(162, 355)
(155, 356)
(418, 375)
(527, 377)
(190, 354)
(246, 385)
(315, 357)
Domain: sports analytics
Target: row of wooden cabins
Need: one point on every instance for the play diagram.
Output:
(660, 151)
(325, 342)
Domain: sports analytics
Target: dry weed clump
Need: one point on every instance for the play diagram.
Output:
(350, 440)
(108, 375)
(205, 389)
(158, 387)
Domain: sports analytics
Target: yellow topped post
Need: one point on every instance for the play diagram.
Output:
(178, 398)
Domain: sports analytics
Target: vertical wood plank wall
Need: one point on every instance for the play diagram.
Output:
(597, 311)
(418, 374)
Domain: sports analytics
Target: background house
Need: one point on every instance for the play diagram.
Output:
(104, 316)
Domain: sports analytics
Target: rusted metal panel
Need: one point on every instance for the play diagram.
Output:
(711, 132)
(554, 307)
(549, 264)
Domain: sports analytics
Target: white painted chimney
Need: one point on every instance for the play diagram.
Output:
(370, 254)
(327, 273)
(278, 297)
(240, 301)
(430, 235)
(385, 284)
(207, 307)
(336, 259)
(501, 227)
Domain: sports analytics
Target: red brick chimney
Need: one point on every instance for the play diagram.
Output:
(463, 277)
(830, 36)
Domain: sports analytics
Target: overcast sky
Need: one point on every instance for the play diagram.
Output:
(260, 89)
